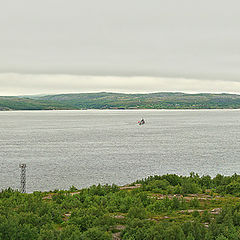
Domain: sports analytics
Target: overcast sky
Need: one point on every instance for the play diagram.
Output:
(53, 46)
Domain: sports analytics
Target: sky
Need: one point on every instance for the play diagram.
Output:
(56, 46)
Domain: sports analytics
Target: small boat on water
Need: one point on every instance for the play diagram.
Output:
(141, 122)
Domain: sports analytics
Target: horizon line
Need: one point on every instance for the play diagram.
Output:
(126, 93)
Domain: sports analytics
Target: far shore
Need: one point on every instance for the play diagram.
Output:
(127, 109)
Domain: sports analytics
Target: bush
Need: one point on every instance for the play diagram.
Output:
(137, 212)
(190, 187)
(96, 234)
(194, 203)
(206, 217)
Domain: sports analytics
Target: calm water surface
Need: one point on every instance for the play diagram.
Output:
(81, 148)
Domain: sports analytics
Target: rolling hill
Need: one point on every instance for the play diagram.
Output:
(107, 100)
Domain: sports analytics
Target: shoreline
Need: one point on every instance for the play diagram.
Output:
(140, 109)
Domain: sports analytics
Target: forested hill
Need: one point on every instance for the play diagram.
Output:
(104, 100)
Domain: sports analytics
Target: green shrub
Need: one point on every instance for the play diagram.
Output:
(137, 212)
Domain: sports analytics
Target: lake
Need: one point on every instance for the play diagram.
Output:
(82, 148)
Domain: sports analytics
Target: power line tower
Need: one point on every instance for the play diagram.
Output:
(23, 177)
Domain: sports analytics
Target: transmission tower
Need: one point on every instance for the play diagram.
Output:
(23, 177)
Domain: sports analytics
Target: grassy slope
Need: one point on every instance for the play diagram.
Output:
(17, 103)
(118, 100)
(153, 100)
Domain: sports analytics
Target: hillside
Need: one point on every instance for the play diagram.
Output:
(104, 100)
(158, 207)
(21, 103)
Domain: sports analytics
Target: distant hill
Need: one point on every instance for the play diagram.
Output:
(24, 103)
(108, 100)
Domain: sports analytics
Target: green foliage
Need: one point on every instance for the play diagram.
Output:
(190, 187)
(192, 184)
(105, 100)
(194, 203)
(194, 229)
(96, 234)
(70, 232)
(137, 212)
(206, 217)
(196, 214)
(73, 189)
(144, 213)
(221, 237)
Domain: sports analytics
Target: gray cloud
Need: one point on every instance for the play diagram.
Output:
(188, 38)
(20, 84)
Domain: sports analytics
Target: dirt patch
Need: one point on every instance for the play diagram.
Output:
(120, 227)
(216, 211)
(74, 193)
(170, 196)
(119, 216)
(130, 187)
(187, 198)
(116, 236)
(191, 211)
(49, 196)
(66, 216)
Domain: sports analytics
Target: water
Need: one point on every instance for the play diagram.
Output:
(82, 148)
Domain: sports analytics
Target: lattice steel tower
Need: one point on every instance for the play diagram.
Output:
(23, 177)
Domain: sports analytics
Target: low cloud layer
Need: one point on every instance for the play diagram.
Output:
(188, 39)
(26, 84)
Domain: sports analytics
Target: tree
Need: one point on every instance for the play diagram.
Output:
(137, 212)
(96, 234)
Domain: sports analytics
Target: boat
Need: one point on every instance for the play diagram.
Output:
(141, 122)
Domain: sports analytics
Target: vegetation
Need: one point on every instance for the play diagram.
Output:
(17, 103)
(159, 207)
(122, 101)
